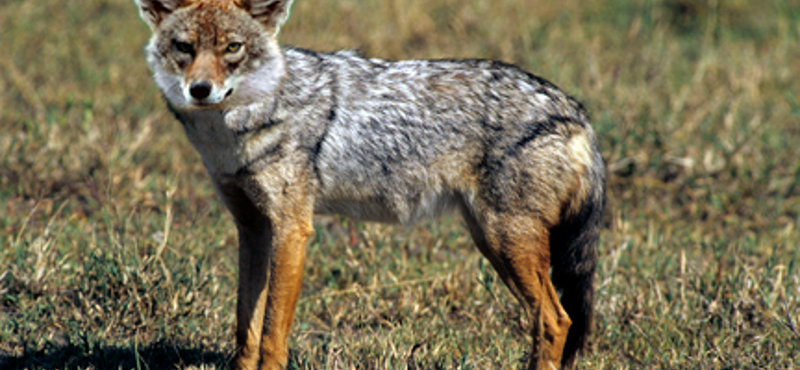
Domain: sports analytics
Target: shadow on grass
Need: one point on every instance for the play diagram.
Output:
(159, 355)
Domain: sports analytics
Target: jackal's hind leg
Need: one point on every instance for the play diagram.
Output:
(519, 250)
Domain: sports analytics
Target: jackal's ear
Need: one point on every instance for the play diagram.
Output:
(154, 11)
(271, 13)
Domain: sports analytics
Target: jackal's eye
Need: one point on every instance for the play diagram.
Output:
(183, 47)
(233, 47)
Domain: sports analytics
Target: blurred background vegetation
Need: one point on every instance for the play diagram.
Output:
(115, 252)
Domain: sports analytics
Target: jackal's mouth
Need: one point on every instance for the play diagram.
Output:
(209, 103)
(202, 102)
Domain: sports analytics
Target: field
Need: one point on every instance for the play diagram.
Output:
(115, 253)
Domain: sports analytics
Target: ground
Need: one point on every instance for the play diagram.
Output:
(116, 253)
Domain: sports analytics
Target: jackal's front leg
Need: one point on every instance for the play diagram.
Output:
(268, 290)
(285, 279)
(272, 240)
(254, 260)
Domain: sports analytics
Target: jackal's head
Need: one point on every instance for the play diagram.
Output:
(215, 53)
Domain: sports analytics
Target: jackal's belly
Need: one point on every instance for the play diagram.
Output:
(389, 206)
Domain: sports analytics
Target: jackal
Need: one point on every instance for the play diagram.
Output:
(286, 133)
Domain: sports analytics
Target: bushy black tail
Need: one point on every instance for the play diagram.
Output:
(573, 253)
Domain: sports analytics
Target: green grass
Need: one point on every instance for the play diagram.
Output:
(116, 254)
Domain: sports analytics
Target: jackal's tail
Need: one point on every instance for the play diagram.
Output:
(573, 245)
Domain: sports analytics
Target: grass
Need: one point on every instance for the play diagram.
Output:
(115, 252)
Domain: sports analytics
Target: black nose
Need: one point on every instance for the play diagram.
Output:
(200, 90)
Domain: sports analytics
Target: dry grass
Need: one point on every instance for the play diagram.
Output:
(116, 253)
